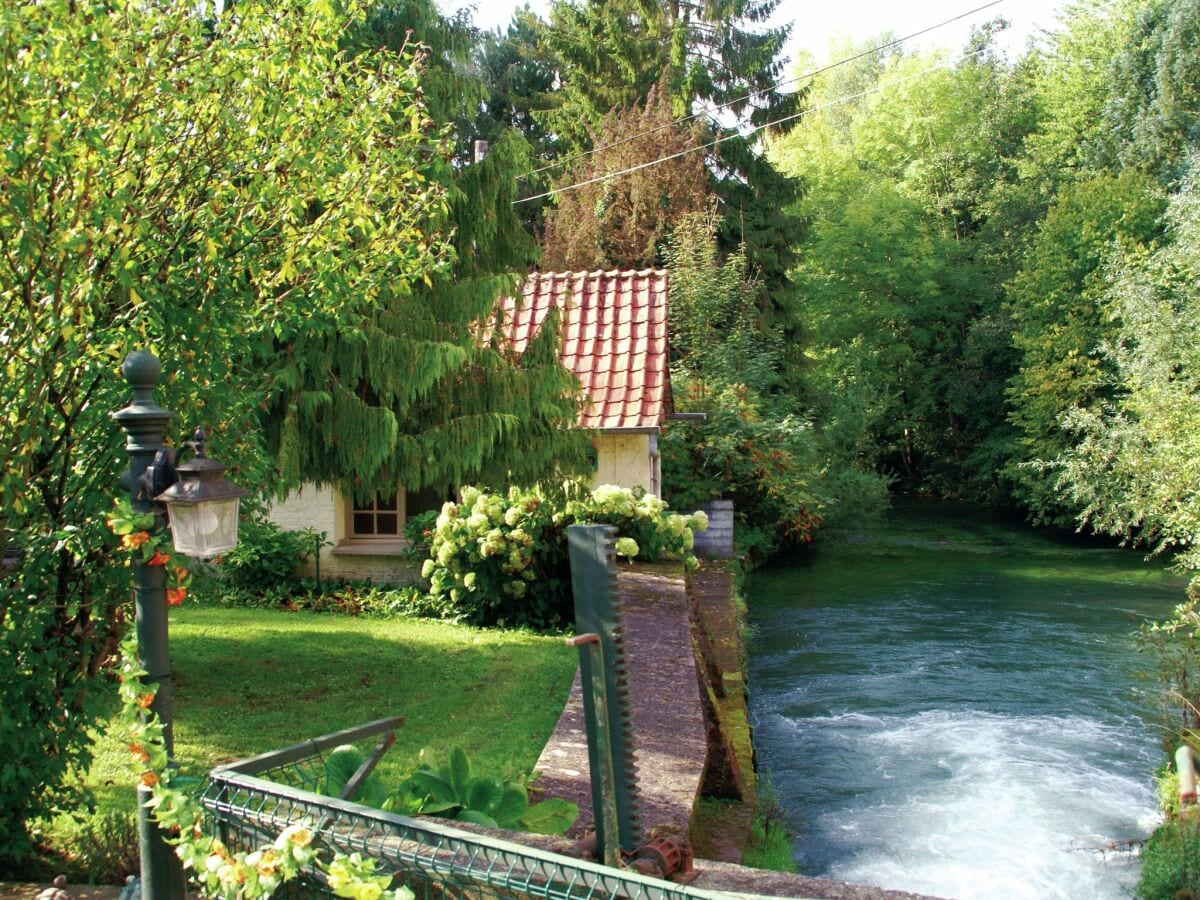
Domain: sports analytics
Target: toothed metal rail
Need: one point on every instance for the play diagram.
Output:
(604, 672)
(250, 802)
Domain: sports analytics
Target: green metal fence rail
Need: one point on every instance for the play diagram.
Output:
(252, 801)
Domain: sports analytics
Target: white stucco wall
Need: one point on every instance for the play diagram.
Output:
(324, 510)
(625, 460)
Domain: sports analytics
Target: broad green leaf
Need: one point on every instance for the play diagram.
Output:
(477, 818)
(483, 794)
(437, 809)
(434, 785)
(552, 816)
(340, 765)
(514, 802)
(460, 771)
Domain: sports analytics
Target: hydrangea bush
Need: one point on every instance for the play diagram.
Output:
(501, 559)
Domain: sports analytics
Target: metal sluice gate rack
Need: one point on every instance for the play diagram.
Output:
(250, 802)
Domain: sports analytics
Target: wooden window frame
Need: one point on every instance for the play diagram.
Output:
(398, 510)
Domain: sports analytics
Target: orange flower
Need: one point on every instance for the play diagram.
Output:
(139, 752)
(158, 559)
(144, 700)
(135, 540)
(180, 573)
(149, 779)
(175, 596)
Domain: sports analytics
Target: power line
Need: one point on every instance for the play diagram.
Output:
(813, 74)
(812, 109)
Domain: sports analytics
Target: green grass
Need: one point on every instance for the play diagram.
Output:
(248, 681)
(770, 844)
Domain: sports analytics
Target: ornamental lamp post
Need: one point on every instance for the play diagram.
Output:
(203, 510)
(202, 506)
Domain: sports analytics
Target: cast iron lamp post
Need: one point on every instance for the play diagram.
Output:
(203, 512)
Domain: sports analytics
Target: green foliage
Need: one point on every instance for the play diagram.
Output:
(1134, 467)
(1166, 788)
(340, 766)
(1070, 84)
(1174, 645)
(502, 559)
(220, 190)
(413, 396)
(1171, 861)
(770, 841)
(716, 331)
(350, 598)
(101, 848)
(418, 535)
(755, 447)
(267, 557)
(907, 341)
(1152, 108)
(765, 465)
(452, 790)
(1057, 304)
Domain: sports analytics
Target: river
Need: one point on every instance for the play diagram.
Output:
(949, 705)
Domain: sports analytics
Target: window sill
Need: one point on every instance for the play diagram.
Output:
(352, 547)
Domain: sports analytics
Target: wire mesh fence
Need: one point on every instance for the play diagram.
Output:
(252, 801)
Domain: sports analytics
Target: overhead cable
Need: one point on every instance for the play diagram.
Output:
(774, 86)
(727, 137)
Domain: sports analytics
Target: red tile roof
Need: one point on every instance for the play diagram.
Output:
(614, 338)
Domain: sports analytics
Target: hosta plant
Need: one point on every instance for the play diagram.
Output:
(451, 790)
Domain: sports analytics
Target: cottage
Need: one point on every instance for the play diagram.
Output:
(614, 338)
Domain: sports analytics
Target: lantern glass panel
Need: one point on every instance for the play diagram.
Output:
(206, 529)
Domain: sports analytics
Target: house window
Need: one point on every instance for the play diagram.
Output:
(379, 517)
(423, 501)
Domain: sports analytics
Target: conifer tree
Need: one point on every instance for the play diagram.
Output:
(609, 54)
(421, 396)
(623, 222)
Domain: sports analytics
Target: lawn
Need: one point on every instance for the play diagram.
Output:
(249, 680)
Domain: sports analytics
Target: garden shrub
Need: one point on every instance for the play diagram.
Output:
(352, 598)
(502, 559)
(103, 847)
(267, 557)
(418, 533)
(766, 464)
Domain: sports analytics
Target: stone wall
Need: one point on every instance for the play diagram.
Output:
(716, 542)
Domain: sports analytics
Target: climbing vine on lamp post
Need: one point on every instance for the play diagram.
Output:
(217, 869)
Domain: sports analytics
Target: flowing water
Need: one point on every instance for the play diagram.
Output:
(949, 705)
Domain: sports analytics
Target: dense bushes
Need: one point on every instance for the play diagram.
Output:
(267, 556)
(1171, 861)
(758, 446)
(501, 559)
